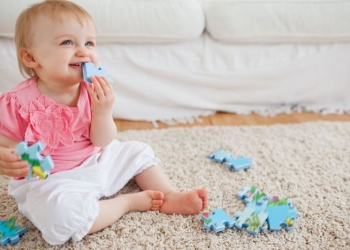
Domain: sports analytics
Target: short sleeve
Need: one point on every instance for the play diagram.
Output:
(12, 124)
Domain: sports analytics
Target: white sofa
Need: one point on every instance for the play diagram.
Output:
(181, 59)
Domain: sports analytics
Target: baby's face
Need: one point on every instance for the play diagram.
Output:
(60, 48)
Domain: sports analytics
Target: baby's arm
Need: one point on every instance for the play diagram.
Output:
(10, 163)
(103, 129)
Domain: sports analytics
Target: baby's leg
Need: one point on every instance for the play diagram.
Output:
(111, 210)
(153, 178)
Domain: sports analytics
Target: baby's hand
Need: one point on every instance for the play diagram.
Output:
(11, 164)
(102, 96)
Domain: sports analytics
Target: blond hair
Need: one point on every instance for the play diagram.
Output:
(49, 8)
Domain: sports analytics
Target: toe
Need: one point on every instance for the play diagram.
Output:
(157, 202)
(157, 195)
(202, 193)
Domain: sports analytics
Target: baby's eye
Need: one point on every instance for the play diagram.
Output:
(67, 42)
(89, 44)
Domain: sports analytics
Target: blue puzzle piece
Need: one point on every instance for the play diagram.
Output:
(38, 165)
(247, 193)
(220, 155)
(10, 231)
(281, 214)
(90, 70)
(240, 163)
(284, 201)
(257, 199)
(218, 220)
(259, 214)
(259, 206)
(254, 222)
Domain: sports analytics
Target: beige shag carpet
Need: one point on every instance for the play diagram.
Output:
(308, 163)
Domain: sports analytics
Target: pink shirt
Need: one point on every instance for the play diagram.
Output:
(27, 115)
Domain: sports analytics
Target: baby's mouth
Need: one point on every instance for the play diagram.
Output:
(76, 65)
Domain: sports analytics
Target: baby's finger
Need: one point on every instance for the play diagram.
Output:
(91, 90)
(15, 169)
(108, 85)
(97, 84)
(18, 164)
(105, 85)
(17, 172)
(9, 155)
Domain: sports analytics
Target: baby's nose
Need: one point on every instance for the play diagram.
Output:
(82, 52)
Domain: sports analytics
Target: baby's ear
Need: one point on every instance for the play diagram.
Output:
(27, 58)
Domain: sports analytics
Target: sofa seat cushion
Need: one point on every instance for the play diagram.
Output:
(128, 21)
(275, 21)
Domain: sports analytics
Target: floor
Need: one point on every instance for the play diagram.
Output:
(232, 119)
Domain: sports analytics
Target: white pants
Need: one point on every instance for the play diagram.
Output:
(65, 205)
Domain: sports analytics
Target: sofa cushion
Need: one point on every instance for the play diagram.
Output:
(275, 21)
(128, 21)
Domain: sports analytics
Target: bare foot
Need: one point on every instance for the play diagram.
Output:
(185, 203)
(145, 200)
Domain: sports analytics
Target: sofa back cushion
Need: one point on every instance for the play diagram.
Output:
(129, 21)
(278, 21)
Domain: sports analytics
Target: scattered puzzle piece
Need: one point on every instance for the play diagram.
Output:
(235, 163)
(258, 206)
(259, 214)
(10, 231)
(254, 222)
(281, 213)
(38, 165)
(220, 155)
(257, 223)
(277, 201)
(240, 163)
(90, 70)
(218, 220)
(247, 193)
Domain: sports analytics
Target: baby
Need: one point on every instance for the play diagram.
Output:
(73, 119)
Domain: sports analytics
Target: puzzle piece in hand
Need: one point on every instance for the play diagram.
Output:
(220, 155)
(90, 70)
(218, 220)
(10, 231)
(254, 222)
(281, 213)
(239, 163)
(38, 165)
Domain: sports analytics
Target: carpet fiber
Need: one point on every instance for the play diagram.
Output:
(308, 163)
